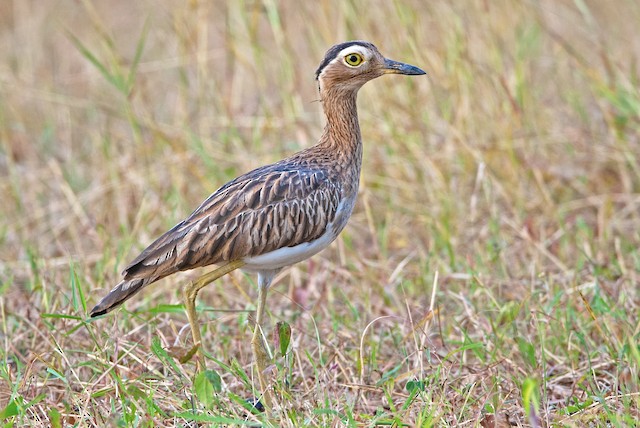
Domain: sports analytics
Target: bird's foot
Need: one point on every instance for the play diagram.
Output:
(263, 363)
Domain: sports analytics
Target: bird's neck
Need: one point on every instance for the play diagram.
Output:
(342, 131)
(341, 143)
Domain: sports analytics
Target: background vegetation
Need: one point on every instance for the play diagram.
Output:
(489, 276)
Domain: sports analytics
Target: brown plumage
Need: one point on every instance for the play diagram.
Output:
(279, 214)
(280, 205)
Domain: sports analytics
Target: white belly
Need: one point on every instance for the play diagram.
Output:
(288, 256)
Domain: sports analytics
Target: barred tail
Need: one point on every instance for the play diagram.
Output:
(121, 292)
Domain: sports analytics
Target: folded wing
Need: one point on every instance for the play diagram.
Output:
(271, 207)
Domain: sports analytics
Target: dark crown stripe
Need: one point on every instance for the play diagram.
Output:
(334, 51)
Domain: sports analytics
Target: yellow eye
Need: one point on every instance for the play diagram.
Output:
(353, 59)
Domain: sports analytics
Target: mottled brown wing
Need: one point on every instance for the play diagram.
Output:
(269, 208)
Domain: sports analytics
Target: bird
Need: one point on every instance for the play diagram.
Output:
(276, 215)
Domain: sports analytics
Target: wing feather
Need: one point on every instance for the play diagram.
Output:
(269, 208)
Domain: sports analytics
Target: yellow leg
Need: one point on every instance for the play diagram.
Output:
(258, 346)
(190, 292)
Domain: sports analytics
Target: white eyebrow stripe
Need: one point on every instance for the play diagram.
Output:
(366, 53)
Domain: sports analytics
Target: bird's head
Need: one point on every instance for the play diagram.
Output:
(349, 65)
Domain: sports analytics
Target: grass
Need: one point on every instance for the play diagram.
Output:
(489, 276)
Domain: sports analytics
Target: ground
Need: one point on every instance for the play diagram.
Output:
(489, 276)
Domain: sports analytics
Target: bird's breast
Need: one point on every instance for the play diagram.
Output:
(287, 256)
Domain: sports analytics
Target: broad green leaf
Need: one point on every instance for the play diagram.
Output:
(284, 336)
(206, 385)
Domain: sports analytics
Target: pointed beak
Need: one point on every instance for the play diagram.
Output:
(395, 67)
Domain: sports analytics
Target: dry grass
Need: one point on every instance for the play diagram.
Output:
(503, 191)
